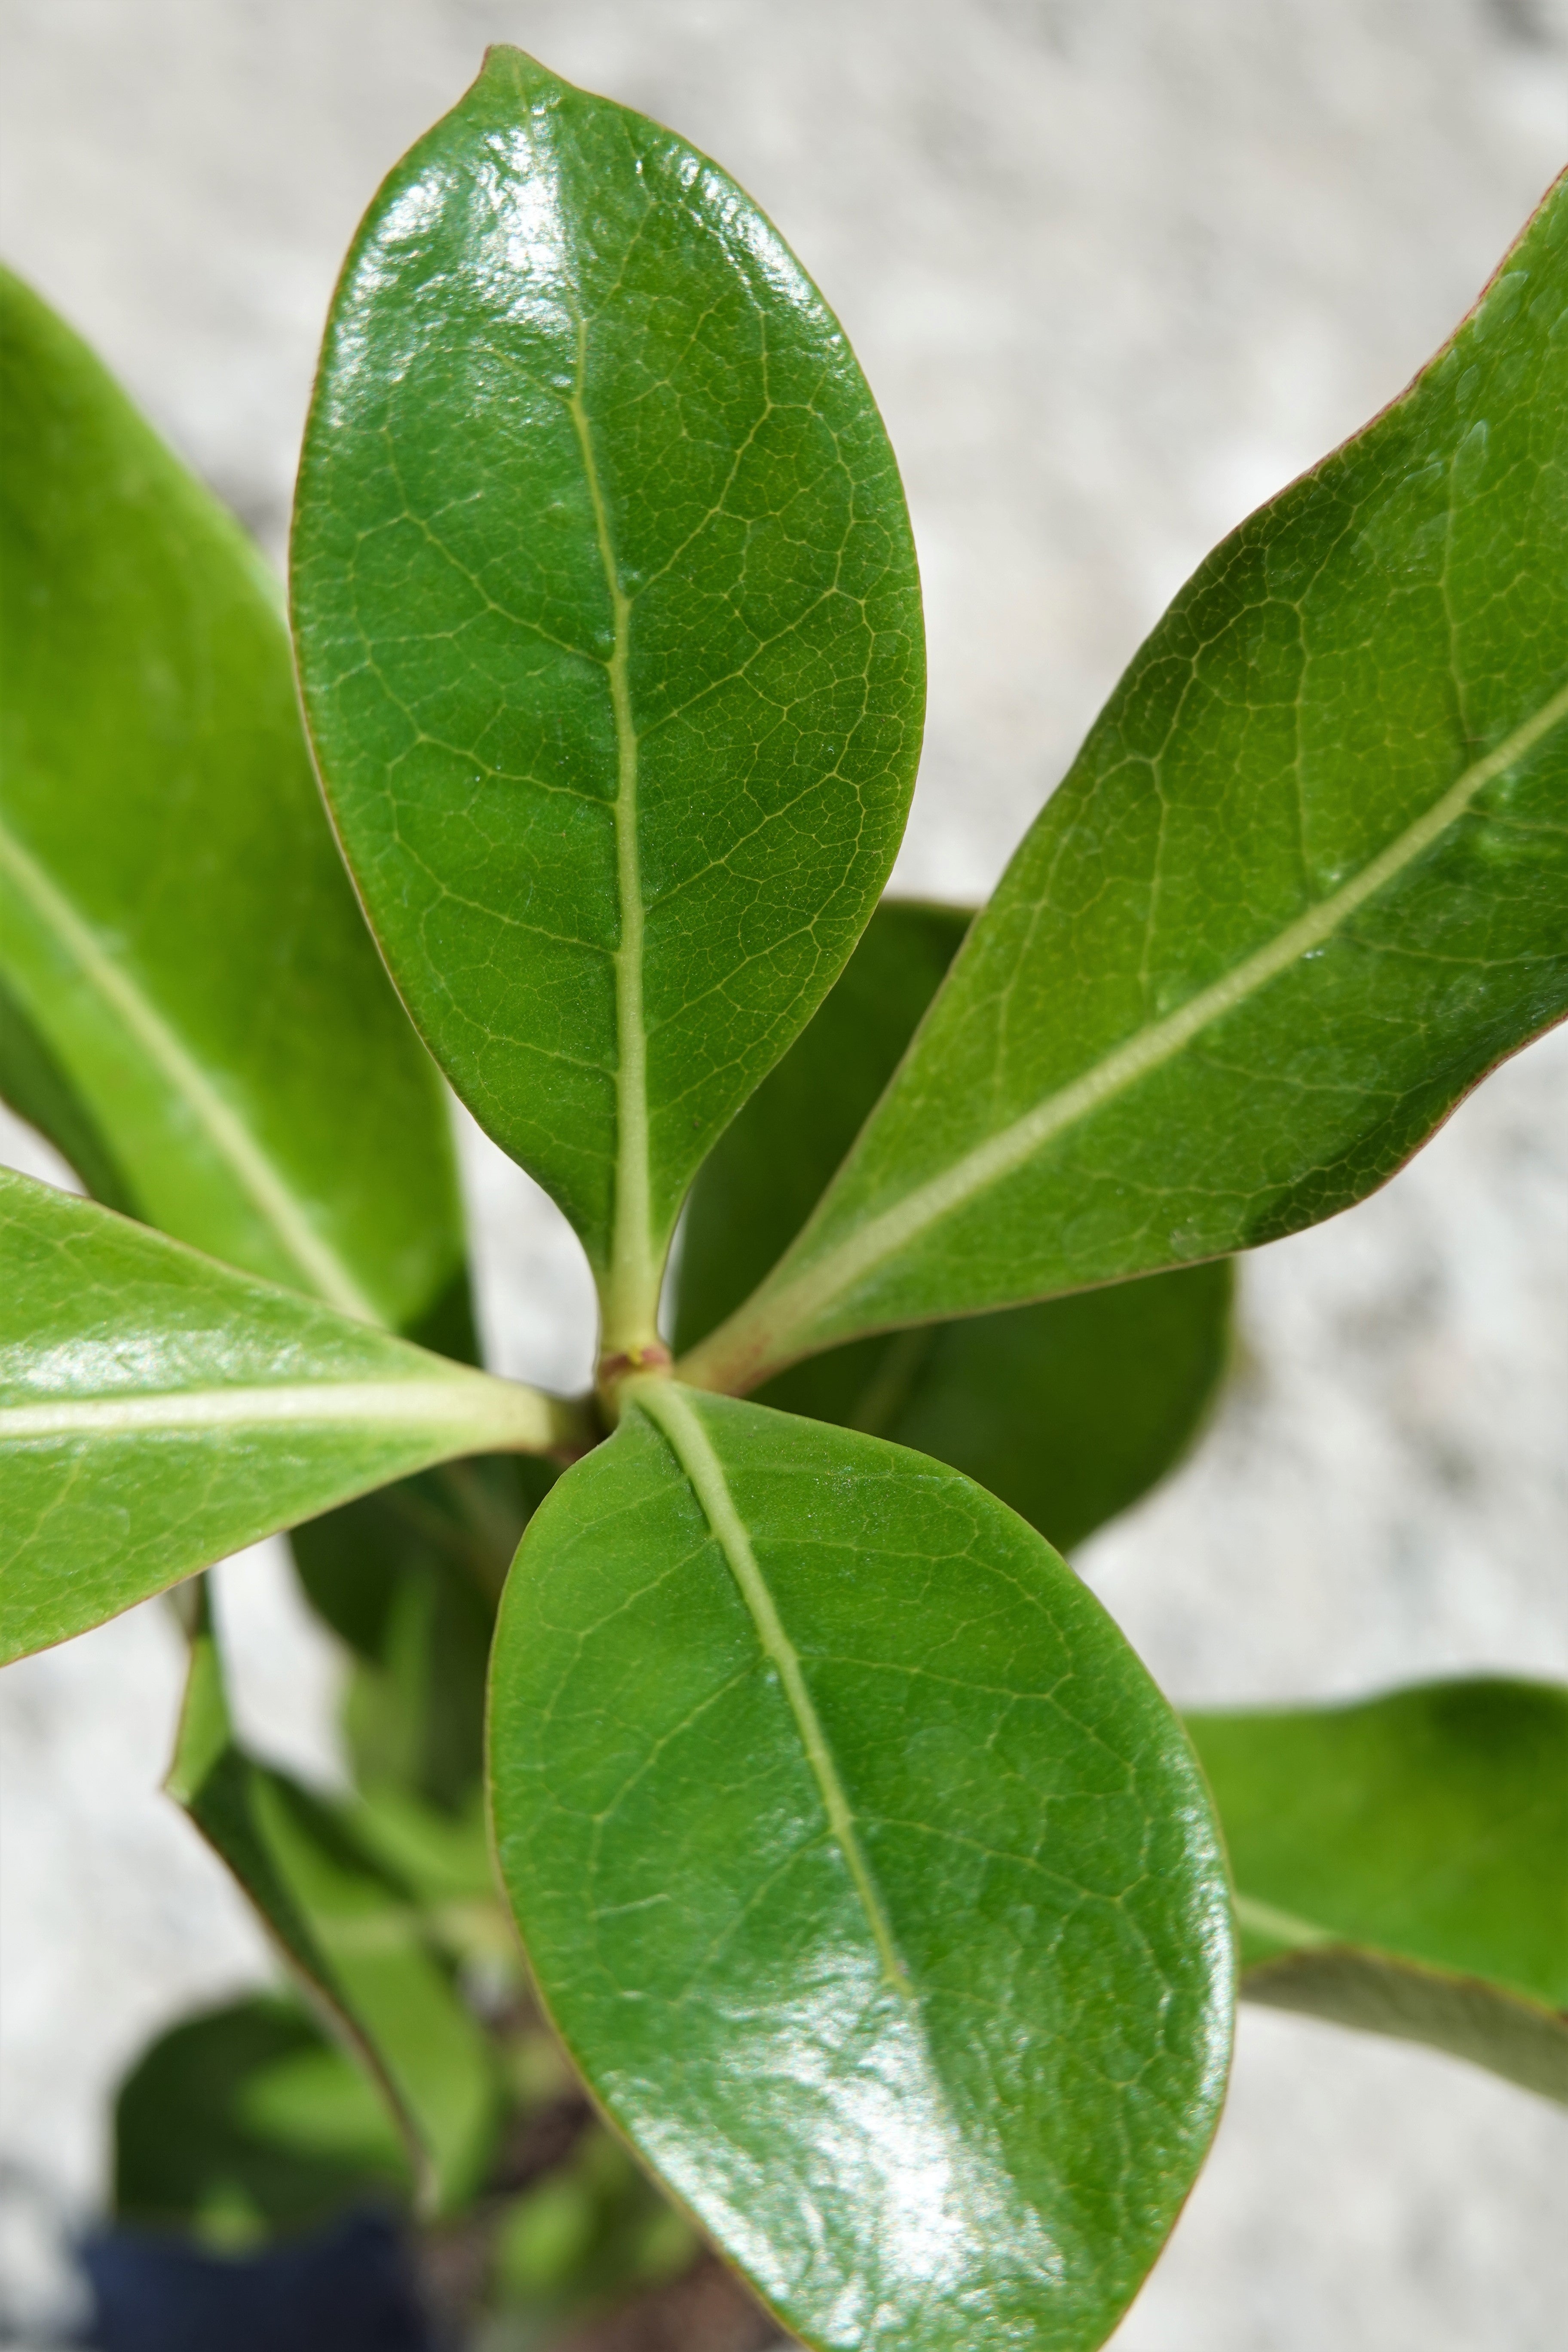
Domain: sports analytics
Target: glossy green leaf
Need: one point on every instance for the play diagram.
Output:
(158, 1410)
(609, 633)
(866, 1876)
(1401, 1865)
(1306, 882)
(190, 1004)
(1068, 1411)
(249, 2119)
(154, 758)
(352, 1932)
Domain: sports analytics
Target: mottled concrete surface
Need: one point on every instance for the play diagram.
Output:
(1117, 269)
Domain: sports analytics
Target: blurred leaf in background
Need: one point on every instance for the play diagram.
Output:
(354, 1930)
(250, 2119)
(1401, 1865)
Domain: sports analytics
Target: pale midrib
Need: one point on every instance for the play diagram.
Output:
(1285, 1927)
(632, 1300)
(472, 1410)
(669, 1410)
(284, 1215)
(794, 1306)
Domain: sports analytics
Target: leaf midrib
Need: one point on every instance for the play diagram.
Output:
(1261, 1978)
(792, 1307)
(681, 1426)
(1296, 1935)
(266, 1190)
(632, 1292)
(1285, 1927)
(467, 1406)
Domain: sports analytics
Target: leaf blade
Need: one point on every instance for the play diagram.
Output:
(1068, 1410)
(1311, 858)
(188, 964)
(684, 559)
(227, 2110)
(1399, 1865)
(158, 1410)
(408, 1579)
(351, 1933)
(767, 1893)
(682, 1425)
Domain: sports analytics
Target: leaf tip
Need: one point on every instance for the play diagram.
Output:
(514, 73)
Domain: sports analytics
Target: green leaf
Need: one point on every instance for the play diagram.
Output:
(609, 633)
(866, 1876)
(245, 2120)
(33, 1083)
(1069, 1410)
(1401, 1865)
(219, 1052)
(1306, 882)
(352, 1932)
(443, 1855)
(408, 1577)
(581, 2240)
(158, 1410)
(190, 1004)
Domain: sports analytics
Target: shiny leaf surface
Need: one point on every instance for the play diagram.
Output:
(351, 1931)
(1306, 883)
(1401, 1865)
(1068, 1411)
(158, 1410)
(868, 1877)
(609, 632)
(190, 1006)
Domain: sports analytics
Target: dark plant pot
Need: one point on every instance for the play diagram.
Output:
(348, 2288)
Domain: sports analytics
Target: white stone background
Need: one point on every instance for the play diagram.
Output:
(1117, 269)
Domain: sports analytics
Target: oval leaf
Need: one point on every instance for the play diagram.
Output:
(190, 1004)
(157, 1411)
(352, 1933)
(609, 632)
(1401, 1865)
(1306, 882)
(868, 1877)
(1068, 1410)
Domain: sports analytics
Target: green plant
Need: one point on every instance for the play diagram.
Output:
(874, 1890)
